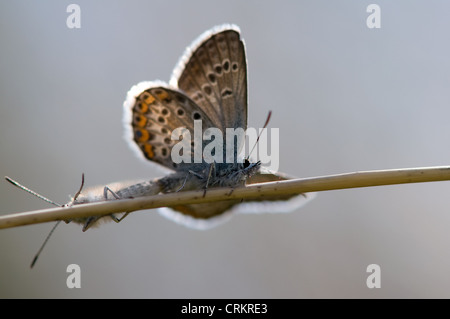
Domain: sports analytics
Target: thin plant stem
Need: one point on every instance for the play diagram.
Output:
(253, 191)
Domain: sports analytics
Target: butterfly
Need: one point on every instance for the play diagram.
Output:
(209, 85)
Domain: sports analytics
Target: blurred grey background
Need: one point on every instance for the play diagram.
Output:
(345, 98)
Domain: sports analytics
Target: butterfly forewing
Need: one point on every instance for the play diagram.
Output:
(156, 112)
(214, 74)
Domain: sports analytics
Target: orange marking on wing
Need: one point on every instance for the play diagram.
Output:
(162, 95)
(141, 135)
(149, 99)
(140, 120)
(148, 151)
(142, 107)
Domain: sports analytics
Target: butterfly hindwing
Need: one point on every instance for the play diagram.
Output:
(203, 216)
(154, 111)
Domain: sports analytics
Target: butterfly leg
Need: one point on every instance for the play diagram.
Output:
(118, 220)
(90, 221)
(187, 176)
(212, 167)
(105, 195)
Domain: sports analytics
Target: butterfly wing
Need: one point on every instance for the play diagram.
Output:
(205, 216)
(213, 73)
(153, 111)
(209, 83)
(272, 203)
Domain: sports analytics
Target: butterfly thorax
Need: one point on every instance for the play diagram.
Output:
(230, 175)
(220, 175)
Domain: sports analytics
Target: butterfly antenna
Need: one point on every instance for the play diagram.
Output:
(43, 244)
(257, 140)
(17, 184)
(56, 225)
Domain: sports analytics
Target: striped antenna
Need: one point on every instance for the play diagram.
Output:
(17, 184)
(43, 244)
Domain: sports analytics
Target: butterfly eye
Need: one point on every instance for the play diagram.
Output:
(246, 163)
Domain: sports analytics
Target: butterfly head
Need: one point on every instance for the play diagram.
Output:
(251, 168)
